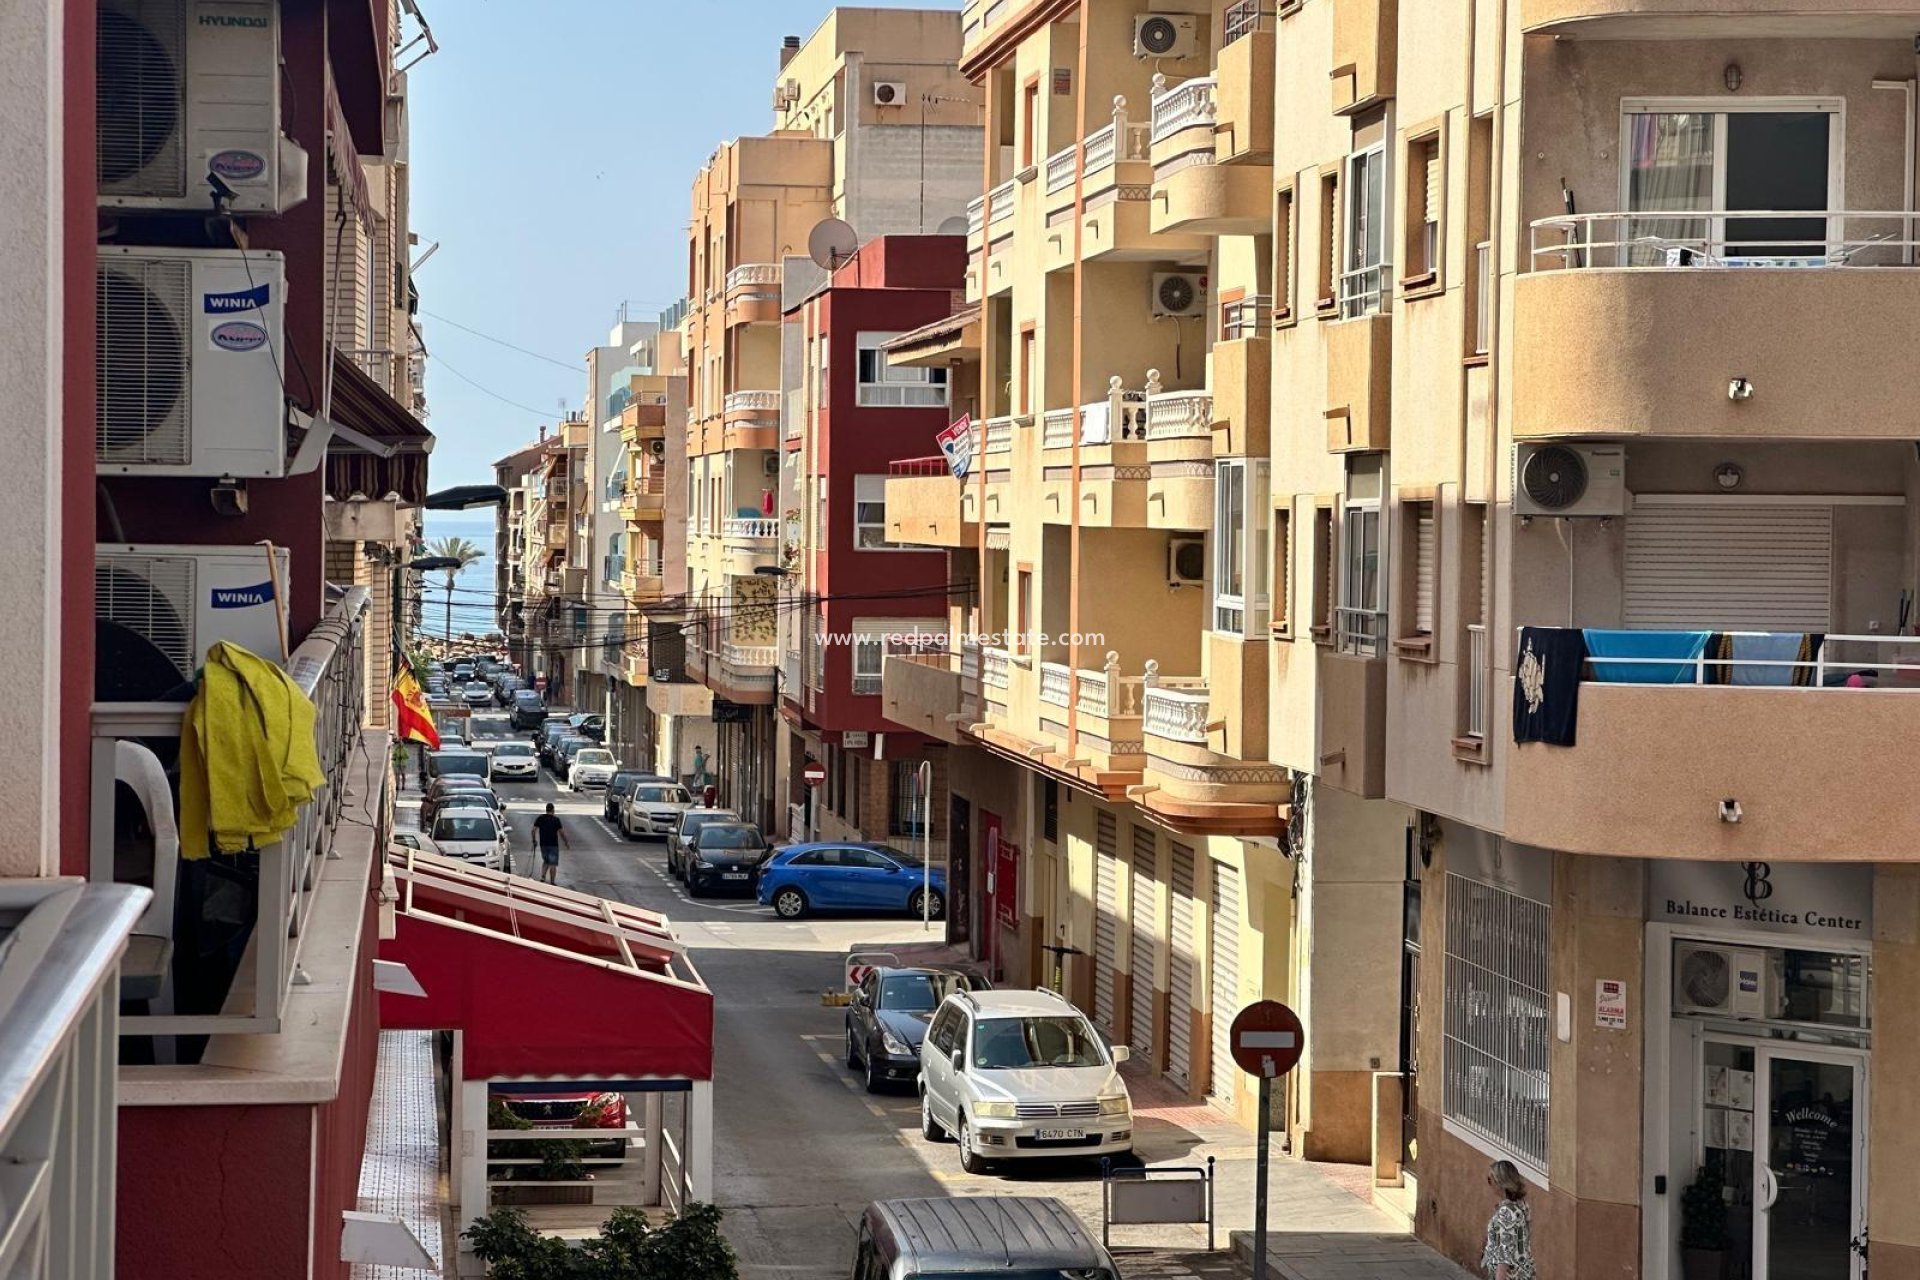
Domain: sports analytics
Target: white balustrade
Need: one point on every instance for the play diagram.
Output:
(1060, 170)
(1056, 429)
(1188, 105)
(999, 435)
(1174, 415)
(1000, 202)
(748, 655)
(1177, 714)
(976, 215)
(755, 529)
(758, 274)
(993, 667)
(1055, 682)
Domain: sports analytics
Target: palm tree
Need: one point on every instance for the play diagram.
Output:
(455, 549)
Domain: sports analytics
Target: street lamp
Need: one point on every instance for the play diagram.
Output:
(462, 496)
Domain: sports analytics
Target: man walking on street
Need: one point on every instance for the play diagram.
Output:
(549, 834)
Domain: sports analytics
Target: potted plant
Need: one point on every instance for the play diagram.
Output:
(560, 1163)
(1703, 1226)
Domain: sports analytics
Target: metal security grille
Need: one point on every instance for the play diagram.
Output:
(1144, 918)
(1180, 973)
(142, 98)
(151, 596)
(1494, 1077)
(1223, 1076)
(143, 363)
(1106, 926)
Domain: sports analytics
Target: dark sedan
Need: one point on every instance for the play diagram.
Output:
(887, 1018)
(725, 855)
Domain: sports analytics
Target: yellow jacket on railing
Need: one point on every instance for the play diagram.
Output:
(247, 757)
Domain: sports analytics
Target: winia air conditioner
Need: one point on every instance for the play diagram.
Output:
(1186, 562)
(1732, 982)
(158, 609)
(1569, 480)
(1179, 294)
(189, 362)
(1165, 35)
(889, 93)
(190, 90)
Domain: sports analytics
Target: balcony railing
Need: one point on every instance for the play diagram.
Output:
(1178, 714)
(999, 435)
(749, 656)
(1000, 202)
(1243, 18)
(976, 215)
(329, 669)
(752, 402)
(756, 274)
(1724, 238)
(1759, 658)
(756, 529)
(1483, 298)
(1056, 429)
(993, 667)
(1360, 631)
(1477, 677)
(1248, 317)
(1122, 139)
(1176, 415)
(1060, 169)
(1102, 692)
(1056, 684)
(1187, 105)
(1362, 289)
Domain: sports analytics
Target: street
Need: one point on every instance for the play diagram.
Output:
(801, 1148)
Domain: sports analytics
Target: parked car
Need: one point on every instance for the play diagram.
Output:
(565, 750)
(725, 855)
(581, 1110)
(459, 792)
(477, 835)
(691, 820)
(550, 735)
(825, 876)
(1013, 1074)
(654, 809)
(1025, 1236)
(618, 788)
(589, 726)
(528, 712)
(505, 685)
(477, 693)
(463, 671)
(401, 841)
(591, 767)
(887, 1019)
(512, 758)
(451, 760)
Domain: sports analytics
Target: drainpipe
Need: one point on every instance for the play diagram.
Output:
(1496, 242)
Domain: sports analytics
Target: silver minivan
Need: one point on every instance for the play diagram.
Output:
(1007, 1237)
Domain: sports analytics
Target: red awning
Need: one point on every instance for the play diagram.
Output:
(544, 981)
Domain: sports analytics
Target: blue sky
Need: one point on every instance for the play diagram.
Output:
(553, 150)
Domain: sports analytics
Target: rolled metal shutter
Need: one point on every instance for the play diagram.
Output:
(1106, 926)
(1732, 567)
(1223, 929)
(1180, 972)
(1426, 567)
(1145, 919)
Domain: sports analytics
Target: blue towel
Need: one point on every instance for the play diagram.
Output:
(1687, 646)
(1775, 646)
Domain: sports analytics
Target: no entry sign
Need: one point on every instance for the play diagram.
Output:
(813, 773)
(1267, 1039)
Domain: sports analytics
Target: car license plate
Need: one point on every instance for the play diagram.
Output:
(1059, 1135)
(733, 875)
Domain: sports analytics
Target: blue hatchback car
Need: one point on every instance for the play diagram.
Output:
(836, 876)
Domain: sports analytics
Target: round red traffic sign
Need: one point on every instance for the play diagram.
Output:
(813, 773)
(1267, 1039)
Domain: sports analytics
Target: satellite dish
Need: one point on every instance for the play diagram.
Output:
(831, 243)
(954, 226)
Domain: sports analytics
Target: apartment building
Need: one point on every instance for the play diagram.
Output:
(1521, 465)
(512, 472)
(849, 596)
(874, 127)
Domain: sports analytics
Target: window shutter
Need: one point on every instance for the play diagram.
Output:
(1424, 560)
(1736, 567)
(1430, 150)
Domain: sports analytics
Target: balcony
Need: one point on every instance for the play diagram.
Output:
(751, 420)
(980, 20)
(1193, 191)
(1352, 687)
(644, 498)
(1243, 75)
(1359, 383)
(1366, 39)
(1807, 749)
(994, 679)
(1691, 19)
(927, 506)
(745, 672)
(753, 294)
(1179, 457)
(937, 694)
(1106, 707)
(752, 543)
(1631, 325)
(644, 418)
(1241, 379)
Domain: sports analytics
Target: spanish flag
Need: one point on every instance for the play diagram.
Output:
(412, 721)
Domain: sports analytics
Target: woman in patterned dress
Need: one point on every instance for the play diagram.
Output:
(1509, 1253)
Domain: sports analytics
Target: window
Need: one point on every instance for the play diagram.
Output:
(869, 652)
(1283, 255)
(1282, 571)
(908, 810)
(1027, 371)
(1479, 219)
(883, 384)
(1324, 300)
(1029, 120)
(1426, 194)
(1364, 278)
(1023, 616)
(1494, 1073)
(1475, 553)
(1419, 549)
(1050, 809)
(1240, 518)
(1362, 605)
(1320, 619)
(870, 514)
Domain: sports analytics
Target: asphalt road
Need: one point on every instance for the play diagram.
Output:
(800, 1146)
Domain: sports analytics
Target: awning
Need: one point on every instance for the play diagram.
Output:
(543, 981)
(952, 338)
(378, 447)
(344, 160)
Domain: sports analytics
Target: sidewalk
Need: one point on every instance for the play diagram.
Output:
(1298, 1255)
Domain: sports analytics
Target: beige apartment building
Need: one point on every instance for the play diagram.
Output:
(1490, 403)
(874, 127)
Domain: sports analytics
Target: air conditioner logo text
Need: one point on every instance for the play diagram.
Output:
(238, 335)
(236, 165)
(242, 597)
(249, 21)
(220, 304)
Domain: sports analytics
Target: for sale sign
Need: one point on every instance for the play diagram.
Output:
(956, 445)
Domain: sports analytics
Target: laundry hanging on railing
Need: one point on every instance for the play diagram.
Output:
(247, 755)
(1546, 684)
(1763, 658)
(1641, 648)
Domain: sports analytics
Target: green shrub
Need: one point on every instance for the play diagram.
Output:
(690, 1247)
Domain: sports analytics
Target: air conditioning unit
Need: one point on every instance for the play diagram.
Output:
(1186, 562)
(1733, 982)
(658, 448)
(1165, 35)
(770, 465)
(158, 609)
(1569, 480)
(189, 92)
(1179, 293)
(889, 93)
(189, 362)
